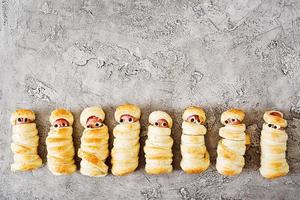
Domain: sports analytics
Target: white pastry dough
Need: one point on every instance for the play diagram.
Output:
(60, 157)
(158, 147)
(25, 142)
(232, 146)
(94, 144)
(273, 146)
(126, 144)
(195, 157)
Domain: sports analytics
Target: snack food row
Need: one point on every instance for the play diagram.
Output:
(94, 149)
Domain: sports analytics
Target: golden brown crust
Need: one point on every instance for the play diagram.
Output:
(158, 170)
(22, 113)
(60, 157)
(24, 146)
(232, 113)
(275, 117)
(61, 114)
(93, 151)
(231, 148)
(273, 146)
(194, 110)
(89, 112)
(127, 109)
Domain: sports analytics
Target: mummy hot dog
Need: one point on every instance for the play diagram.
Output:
(195, 157)
(94, 142)
(232, 147)
(59, 143)
(126, 142)
(158, 148)
(25, 141)
(273, 146)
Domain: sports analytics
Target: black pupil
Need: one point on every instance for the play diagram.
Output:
(25, 119)
(19, 119)
(121, 120)
(130, 119)
(164, 124)
(270, 125)
(55, 125)
(233, 120)
(63, 124)
(198, 120)
(275, 126)
(192, 120)
(97, 124)
(226, 121)
(88, 126)
(156, 124)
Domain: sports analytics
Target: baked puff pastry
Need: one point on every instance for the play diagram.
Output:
(232, 146)
(126, 144)
(195, 157)
(94, 142)
(59, 143)
(25, 141)
(158, 147)
(273, 146)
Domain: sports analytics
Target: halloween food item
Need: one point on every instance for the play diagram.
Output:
(158, 147)
(25, 141)
(126, 144)
(94, 142)
(232, 146)
(195, 157)
(273, 146)
(60, 157)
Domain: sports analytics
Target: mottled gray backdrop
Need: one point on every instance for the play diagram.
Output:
(158, 54)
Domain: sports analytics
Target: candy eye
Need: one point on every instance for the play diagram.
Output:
(19, 119)
(55, 125)
(192, 119)
(156, 123)
(97, 124)
(164, 124)
(121, 120)
(88, 126)
(130, 119)
(270, 125)
(226, 122)
(233, 120)
(275, 127)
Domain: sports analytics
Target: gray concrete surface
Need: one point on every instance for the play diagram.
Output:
(159, 55)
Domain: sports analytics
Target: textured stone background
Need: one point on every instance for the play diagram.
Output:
(160, 55)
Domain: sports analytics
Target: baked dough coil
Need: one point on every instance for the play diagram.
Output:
(24, 146)
(231, 148)
(126, 148)
(60, 149)
(158, 150)
(94, 151)
(273, 147)
(195, 157)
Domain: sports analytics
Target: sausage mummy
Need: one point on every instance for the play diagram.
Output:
(273, 146)
(158, 147)
(195, 157)
(94, 143)
(59, 143)
(232, 146)
(25, 141)
(126, 143)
